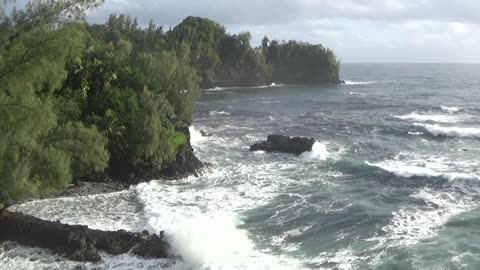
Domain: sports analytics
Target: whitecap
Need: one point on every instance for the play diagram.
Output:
(410, 165)
(454, 131)
(429, 117)
(347, 82)
(450, 109)
(214, 113)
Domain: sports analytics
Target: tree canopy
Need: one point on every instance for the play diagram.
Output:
(78, 98)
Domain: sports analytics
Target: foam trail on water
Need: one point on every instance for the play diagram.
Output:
(463, 132)
(319, 152)
(410, 165)
(347, 82)
(429, 117)
(409, 225)
(213, 113)
(450, 109)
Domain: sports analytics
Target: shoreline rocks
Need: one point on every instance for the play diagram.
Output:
(284, 144)
(76, 242)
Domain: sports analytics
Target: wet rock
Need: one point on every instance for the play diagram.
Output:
(284, 144)
(77, 242)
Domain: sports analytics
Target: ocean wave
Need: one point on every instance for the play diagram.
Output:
(409, 225)
(201, 227)
(450, 109)
(410, 165)
(198, 235)
(463, 132)
(347, 82)
(429, 117)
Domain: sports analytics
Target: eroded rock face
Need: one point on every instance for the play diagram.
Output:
(284, 144)
(77, 242)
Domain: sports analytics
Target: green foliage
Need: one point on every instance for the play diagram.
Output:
(136, 92)
(35, 45)
(241, 64)
(85, 147)
(299, 62)
(151, 131)
(202, 36)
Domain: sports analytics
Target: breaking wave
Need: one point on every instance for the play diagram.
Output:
(429, 117)
(463, 132)
(450, 109)
(410, 165)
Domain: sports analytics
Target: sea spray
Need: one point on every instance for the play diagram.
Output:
(319, 152)
(196, 135)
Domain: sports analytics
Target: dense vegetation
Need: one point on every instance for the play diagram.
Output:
(222, 59)
(78, 98)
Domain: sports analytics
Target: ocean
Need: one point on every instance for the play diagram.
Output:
(392, 182)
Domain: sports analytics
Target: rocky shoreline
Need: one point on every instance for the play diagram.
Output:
(121, 175)
(81, 243)
(76, 242)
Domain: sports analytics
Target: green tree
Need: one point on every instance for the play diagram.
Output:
(37, 154)
(202, 36)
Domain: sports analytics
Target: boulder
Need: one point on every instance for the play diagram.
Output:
(284, 144)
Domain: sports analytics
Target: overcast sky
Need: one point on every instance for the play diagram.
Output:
(357, 30)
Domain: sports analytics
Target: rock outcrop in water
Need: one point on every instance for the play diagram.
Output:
(284, 144)
(77, 242)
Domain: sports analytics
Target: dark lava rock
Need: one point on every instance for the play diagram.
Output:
(122, 170)
(284, 144)
(77, 242)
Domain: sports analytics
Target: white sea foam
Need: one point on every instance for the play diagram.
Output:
(450, 109)
(319, 152)
(411, 165)
(356, 94)
(455, 131)
(201, 225)
(111, 212)
(213, 113)
(196, 136)
(412, 224)
(347, 82)
(430, 117)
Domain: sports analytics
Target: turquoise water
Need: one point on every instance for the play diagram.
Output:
(392, 183)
